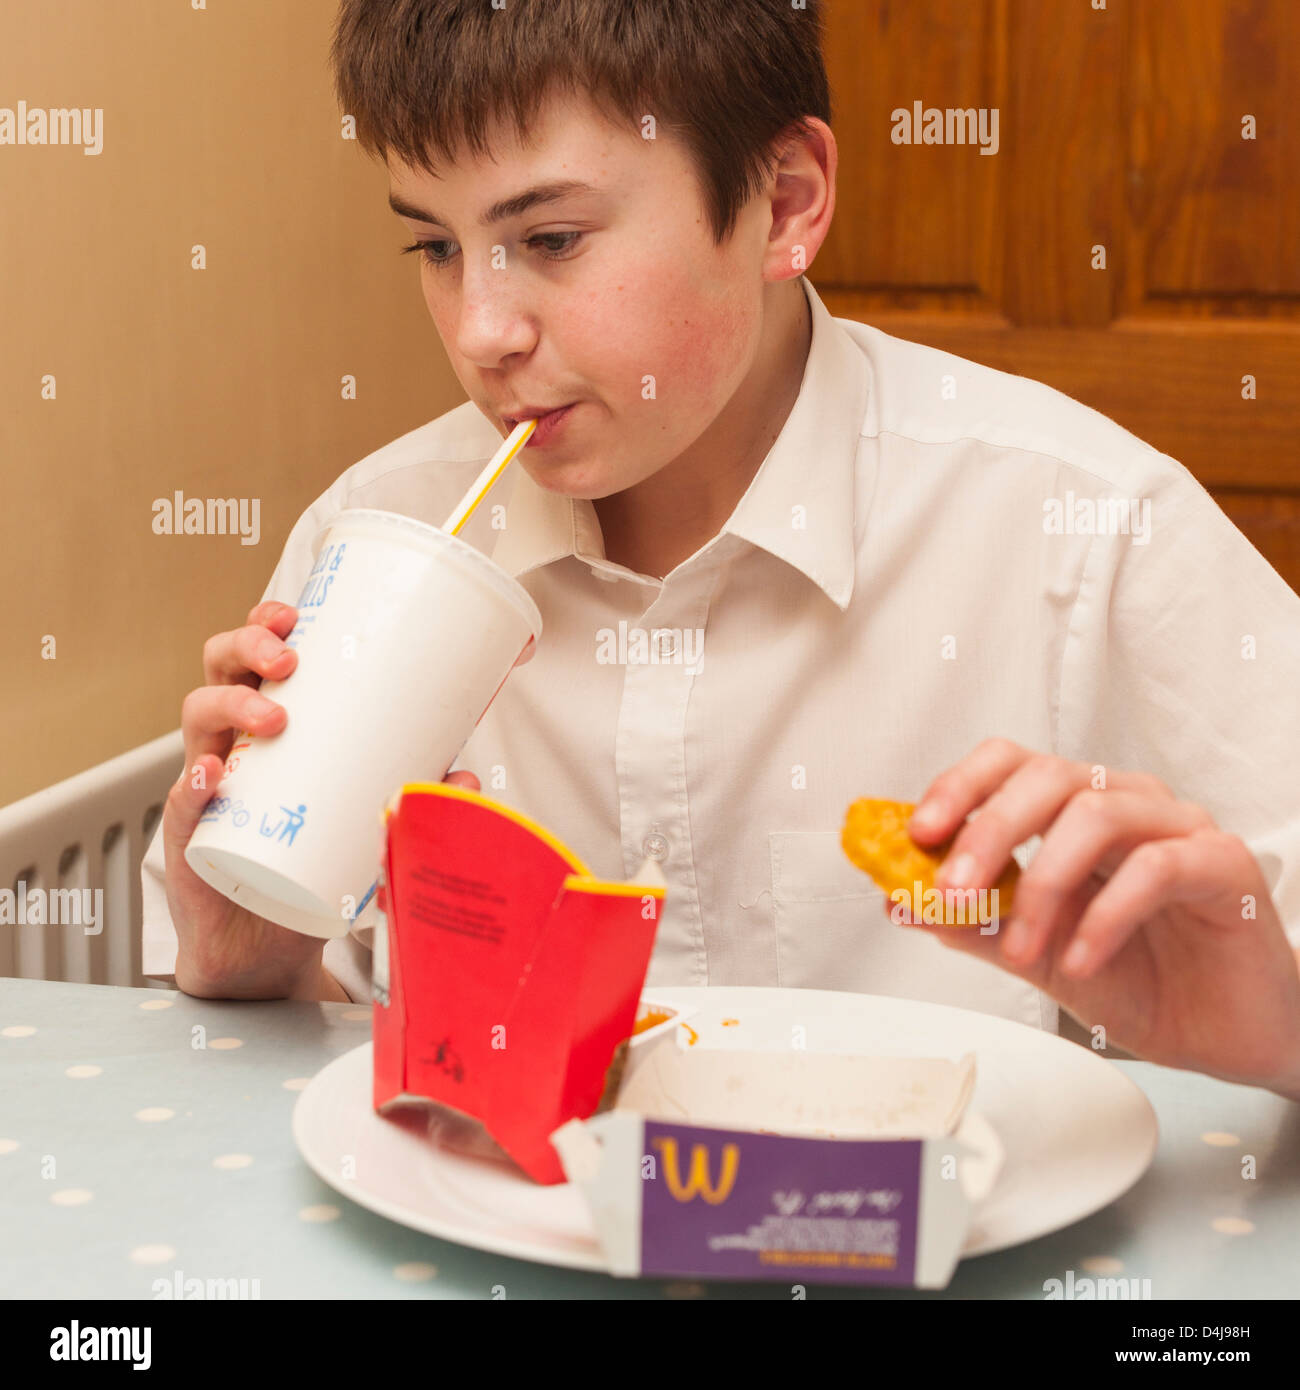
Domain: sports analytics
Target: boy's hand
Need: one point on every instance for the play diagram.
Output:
(226, 951)
(1137, 913)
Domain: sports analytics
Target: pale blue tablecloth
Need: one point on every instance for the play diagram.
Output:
(158, 1203)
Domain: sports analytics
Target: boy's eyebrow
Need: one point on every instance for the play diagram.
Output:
(506, 207)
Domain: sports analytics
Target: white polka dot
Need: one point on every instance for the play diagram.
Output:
(83, 1070)
(321, 1213)
(232, 1160)
(153, 1254)
(357, 1015)
(7, 1146)
(17, 1030)
(684, 1290)
(157, 1003)
(1219, 1139)
(151, 1114)
(1102, 1264)
(225, 1044)
(70, 1196)
(296, 1083)
(1232, 1225)
(415, 1272)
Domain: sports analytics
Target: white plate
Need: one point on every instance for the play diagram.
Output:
(1077, 1132)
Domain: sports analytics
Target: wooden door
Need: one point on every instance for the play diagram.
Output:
(1135, 239)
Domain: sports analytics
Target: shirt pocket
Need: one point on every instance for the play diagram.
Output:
(823, 909)
(833, 931)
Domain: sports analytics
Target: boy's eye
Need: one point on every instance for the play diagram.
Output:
(435, 252)
(431, 249)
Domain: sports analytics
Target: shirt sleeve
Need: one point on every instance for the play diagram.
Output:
(1183, 660)
(346, 958)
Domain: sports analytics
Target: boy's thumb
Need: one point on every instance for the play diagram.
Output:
(461, 778)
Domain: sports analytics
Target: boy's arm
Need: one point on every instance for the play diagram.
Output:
(1183, 660)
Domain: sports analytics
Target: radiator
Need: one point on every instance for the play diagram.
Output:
(88, 832)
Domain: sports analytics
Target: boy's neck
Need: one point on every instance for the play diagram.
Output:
(652, 527)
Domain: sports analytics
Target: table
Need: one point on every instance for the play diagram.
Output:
(130, 1154)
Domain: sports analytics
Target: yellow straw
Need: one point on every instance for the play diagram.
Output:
(483, 483)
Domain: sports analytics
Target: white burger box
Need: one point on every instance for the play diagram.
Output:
(780, 1163)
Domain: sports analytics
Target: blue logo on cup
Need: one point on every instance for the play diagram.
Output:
(218, 807)
(287, 827)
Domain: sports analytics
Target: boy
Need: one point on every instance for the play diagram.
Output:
(832, 552)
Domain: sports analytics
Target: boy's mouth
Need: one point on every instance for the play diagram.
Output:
(548, 421)
(532, 412)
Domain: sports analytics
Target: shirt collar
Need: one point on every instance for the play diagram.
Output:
(799, 506)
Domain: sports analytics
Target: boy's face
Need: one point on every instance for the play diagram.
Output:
(641, 320)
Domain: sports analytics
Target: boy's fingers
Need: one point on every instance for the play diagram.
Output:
(211, 715)
(221, 663)
(246, 656)
(461, 778)
(186, 802)
(952, 795)
(273, 614)
(975, 941)
(1017, 793)
(1209, 867)
(1093, 837)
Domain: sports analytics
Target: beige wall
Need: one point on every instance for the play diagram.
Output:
(219, 129)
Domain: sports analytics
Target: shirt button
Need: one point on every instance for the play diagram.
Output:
(655, 847)
(666, 645)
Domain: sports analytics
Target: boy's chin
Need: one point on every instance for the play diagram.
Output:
(569, 479)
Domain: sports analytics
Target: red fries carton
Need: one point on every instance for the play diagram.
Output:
(506, 976)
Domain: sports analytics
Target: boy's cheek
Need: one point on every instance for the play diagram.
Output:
(701, 344)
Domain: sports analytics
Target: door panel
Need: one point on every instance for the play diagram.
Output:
(1119, 134)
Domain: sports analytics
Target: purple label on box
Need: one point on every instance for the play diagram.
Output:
(733, 1205)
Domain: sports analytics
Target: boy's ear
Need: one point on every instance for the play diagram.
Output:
(803, 198)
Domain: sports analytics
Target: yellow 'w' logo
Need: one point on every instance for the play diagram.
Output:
(699, 1180)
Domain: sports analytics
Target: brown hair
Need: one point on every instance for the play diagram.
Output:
(425, 78)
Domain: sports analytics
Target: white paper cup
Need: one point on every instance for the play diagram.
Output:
(404, 636)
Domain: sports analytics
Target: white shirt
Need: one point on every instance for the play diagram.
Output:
(915, 567)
